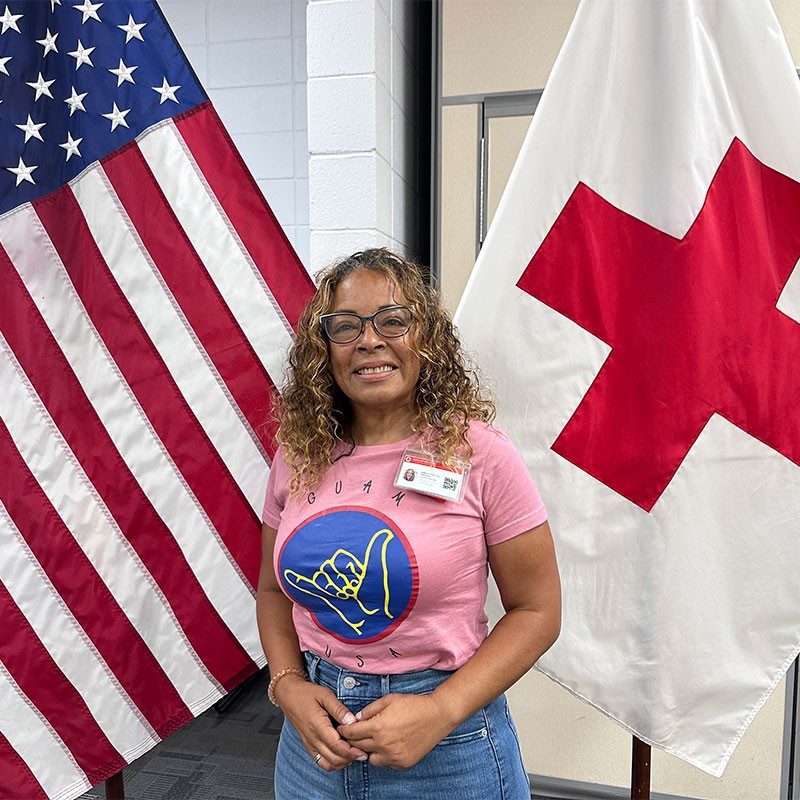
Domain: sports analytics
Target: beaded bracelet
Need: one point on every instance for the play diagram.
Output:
(282, 674)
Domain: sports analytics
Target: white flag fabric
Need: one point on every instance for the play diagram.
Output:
(636, 306)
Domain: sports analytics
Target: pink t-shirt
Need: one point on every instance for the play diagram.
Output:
(385, 580)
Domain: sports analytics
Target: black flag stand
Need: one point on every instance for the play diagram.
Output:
(115, 787)
(640, 770)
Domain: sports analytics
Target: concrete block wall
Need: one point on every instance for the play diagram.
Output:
(364, 180)
(250, 56)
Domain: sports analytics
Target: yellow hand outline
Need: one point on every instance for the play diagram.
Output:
(338, 581)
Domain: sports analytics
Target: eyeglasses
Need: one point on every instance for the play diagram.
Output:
(388, 322)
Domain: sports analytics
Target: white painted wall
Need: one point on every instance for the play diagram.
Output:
(250, 56)
(362, 77)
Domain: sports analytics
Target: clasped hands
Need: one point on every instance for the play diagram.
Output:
(397, 730)
(393, 731)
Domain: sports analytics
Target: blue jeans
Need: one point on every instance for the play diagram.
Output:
(479, 760)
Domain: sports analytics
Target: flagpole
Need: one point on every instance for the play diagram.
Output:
(640, 770)
(115, 787)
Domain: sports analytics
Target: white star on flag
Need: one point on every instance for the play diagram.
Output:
(42, 87)
(166, 91)
(123, 73)
(117, 117)
(75, 101)
(3, 62)
(71, 146)
(49, 42)
(32, 129)
(9, 20)
(22, 172)
(132, 29)
(81, 55)
(89, 10)
(53, 4)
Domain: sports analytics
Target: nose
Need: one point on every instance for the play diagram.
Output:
(370, 338)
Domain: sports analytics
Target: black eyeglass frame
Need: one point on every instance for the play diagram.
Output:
(364, 320)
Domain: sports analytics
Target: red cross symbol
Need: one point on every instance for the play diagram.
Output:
(692, 324)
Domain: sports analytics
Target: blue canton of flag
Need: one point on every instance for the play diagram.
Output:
(77, 81)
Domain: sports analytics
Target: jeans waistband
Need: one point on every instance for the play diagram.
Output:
(361, 684)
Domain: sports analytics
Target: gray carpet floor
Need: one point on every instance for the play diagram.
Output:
(227, 753)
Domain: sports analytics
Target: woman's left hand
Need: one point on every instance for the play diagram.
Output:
(397, 730)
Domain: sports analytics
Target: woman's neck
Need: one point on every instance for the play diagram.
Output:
(381, 427)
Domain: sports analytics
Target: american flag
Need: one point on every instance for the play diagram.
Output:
(147, 298)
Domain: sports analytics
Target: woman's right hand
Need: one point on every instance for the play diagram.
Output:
(309, 707)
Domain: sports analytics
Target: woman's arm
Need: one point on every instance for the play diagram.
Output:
(274, 616)
(398, 730)
(526, 574)
(308, 706)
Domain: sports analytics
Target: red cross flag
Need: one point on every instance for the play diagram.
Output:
(640, 277)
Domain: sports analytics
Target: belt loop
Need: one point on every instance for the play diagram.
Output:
(312, 663)
(386, 687)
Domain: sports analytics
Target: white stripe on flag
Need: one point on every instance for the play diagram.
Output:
(789, 300)
(160, 316)
(212, 235)
(37, 744)
(67, 643)
(34, 257)
(95, 530)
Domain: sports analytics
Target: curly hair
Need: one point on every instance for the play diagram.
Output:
(313, 414)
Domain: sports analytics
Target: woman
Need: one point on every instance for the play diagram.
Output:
(372, 586)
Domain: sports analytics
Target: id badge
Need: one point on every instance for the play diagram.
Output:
(424, 473)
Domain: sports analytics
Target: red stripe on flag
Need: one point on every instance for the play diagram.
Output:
(195, 292)
(57, 386)
(149, 379)
(16, 778)
(86, 594)
(241, 199)
(46, 686)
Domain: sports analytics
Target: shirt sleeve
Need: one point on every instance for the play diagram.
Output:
(511, 502)
(276, 491)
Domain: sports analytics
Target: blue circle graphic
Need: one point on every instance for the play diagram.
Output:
(354, 570)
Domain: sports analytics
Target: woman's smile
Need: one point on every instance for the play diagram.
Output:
(370, 372)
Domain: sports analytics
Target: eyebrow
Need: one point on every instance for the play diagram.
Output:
(355, 313)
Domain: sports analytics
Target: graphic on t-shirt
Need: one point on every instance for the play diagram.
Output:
(353, 569)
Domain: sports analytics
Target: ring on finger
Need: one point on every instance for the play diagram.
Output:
(317, 758)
